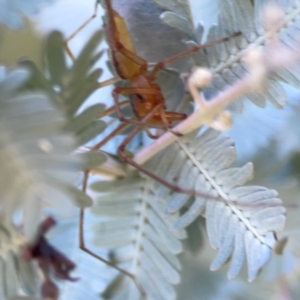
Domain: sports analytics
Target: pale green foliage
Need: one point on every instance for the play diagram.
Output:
(142, 224)
(132, 220)
(240, 229)
(225, 60)
(35, 150)
(69, 88)
(136, 216)
(37, 141)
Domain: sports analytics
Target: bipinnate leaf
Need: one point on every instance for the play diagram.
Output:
(36, 159)
(130, 221)
(70, 87)
(241, 221)
(225, 60)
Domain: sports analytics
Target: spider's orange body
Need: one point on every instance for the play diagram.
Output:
(145, 94)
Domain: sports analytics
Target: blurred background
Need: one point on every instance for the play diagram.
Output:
(269, 138)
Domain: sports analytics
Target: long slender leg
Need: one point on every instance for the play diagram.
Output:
(68, 50)
(108, 82)
(81, 218)
(119, 129)
(171, 186)
(167, 125)
(113, 108)
(170, 60)
(83, 248)
(71, 55)
(150, 135)
(115, 94)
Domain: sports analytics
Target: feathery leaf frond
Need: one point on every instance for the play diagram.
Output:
(69, 87)
(131, 222)
(226, 60)
(241, 229)
(36, 161)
